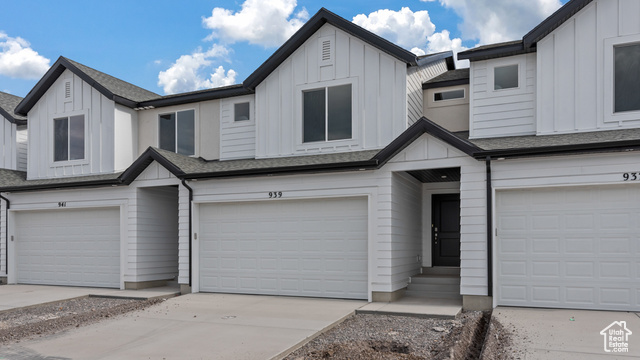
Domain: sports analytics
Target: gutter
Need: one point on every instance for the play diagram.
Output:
(489, 230)
(6, 235)
(184, 183)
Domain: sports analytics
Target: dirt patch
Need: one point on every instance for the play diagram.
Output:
(384, 337)
(20, 324)
(497, 343)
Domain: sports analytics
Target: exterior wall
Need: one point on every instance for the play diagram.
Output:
(416, 76)
(507, 112)
(207, 114)
(379, 84)
(237, 139)
(99, 130)
(575, 69)
(156, 256)
(452, 115)
(126, 139)
(3, 242)
(22, 141)
(406, 224)
(8, 151)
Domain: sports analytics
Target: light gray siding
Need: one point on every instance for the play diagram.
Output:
(504, 112)
(416, 76)
(237, 138)
(21, 147)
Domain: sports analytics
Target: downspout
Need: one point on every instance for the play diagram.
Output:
(184, 183)
(489, 230)
(6, 235)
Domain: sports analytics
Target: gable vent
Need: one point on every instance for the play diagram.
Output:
(326, 50)
(67, 90)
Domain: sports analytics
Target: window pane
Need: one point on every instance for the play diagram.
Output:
(76, 137)
(313, 117)
(60, 139)
(449, 95)
(241, 112)
(505, 77)
(168, 132)
(339, 120)
(186, 132)
(627, 78)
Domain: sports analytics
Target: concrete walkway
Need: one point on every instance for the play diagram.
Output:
(17, 296)
(552, 334)
(195, 326)
(416, 307)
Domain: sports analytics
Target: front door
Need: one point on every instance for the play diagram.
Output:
(445, 230)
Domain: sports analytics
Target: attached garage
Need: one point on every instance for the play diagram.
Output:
(311, 247)
(575, 247)
(74, 247)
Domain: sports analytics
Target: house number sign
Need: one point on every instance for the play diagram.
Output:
(631, 176)
(275, 194)
(62, 204)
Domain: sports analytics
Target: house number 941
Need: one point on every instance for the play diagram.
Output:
(275, 194)
(62, 204)
(631, 176)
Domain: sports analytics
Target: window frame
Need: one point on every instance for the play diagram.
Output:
(610, 116)
(52, 145)
(520, 61)
(195, 130)
(326, 86)
(464, 95)
(250, 103)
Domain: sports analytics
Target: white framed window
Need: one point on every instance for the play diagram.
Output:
(177, 132)
(505, 77)
(622, 78)
(242, 111)
(448, 95)
(69, 133)
(327, 113)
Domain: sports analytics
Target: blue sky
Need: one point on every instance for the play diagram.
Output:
(169, 46)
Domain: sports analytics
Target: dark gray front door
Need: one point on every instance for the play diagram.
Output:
(446, 229)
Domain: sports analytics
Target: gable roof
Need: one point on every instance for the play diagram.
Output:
(113, 88)
(8, 104)
(530, 40)
(322, 17)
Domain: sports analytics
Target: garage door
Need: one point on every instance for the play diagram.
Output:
(69, 247)
(569, 248)
(285, 247)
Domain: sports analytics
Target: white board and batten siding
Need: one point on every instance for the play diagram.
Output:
(430, 153)
(99, 115)
(8, 148)
(416, 76)
(237, 138)
(575, 69)
(379, 102)
(504, 112)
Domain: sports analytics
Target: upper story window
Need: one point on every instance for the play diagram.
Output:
(68, 138)
(177, 132)
(242, 111)
(326, 114)
(626, 78)
(505, 77)
(448, 95)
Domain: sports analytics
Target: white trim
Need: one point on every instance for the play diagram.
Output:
(520, 61)
(52, 144)
(464, 95)
(196, 126)
(251, 114)
(609, 75)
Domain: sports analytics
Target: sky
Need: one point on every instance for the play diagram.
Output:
(169, 46)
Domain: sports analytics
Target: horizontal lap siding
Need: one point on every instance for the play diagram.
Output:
(237, 138)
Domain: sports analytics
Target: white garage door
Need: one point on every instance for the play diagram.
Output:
(285, 247)
(69, 247)
(569, 248)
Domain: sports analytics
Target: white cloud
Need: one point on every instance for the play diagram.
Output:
(405, 27)
(187, 73)
(19, 60)
(260, 22)
(493, 21)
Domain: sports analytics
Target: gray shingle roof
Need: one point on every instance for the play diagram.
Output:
(8, 103)
(459, 74)
(13, 179)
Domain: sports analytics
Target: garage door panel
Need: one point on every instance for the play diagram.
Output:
(574, 248)
(289, 247)
(69, 247)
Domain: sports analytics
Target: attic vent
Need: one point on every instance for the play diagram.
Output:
(326, 50)
(67, 91)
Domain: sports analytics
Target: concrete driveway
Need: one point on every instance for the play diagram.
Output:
(552, 334)
(195, 326)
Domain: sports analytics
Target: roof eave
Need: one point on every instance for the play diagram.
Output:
(617, 146)
(191, 98)
(446, 83)
(75, 184)
(495, 52)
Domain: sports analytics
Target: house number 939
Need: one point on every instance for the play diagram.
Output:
(275, 194)
(631, 176)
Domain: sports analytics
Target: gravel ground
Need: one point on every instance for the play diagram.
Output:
(383, 337)
(19, 324)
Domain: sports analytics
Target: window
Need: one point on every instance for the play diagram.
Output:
(449, 95)
(177, 132)
(241, 111)
(68, 138)
(505, 77)
(327, 114)
(626, 78)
